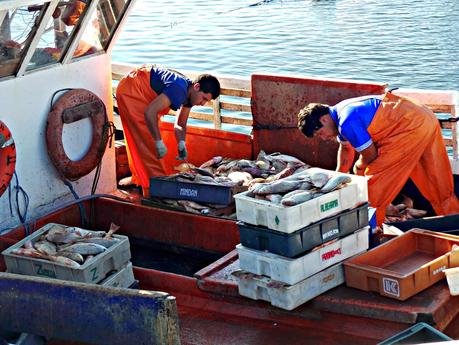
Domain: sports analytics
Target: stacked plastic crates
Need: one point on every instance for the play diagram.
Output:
(291, 254)
(111, 268)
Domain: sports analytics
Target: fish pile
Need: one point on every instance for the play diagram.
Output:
(69, 246)
(403, 211)
(238, 174)
(301, 186)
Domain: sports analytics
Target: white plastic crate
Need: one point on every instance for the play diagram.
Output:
(294, 270)
(92, 271)
(122, 278)
(290, 296)
(291, 218)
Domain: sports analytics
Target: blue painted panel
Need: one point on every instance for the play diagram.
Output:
(86, 312)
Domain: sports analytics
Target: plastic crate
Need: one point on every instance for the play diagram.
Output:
(291, 218)
(300, 241)
(164, 187)
(92, 271)
(122, 278)
(452, 277)
(405, 265)
(292, 271)
(445, 224)
(419, 333)
(290, 296)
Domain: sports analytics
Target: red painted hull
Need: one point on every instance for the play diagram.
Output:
(210, 309)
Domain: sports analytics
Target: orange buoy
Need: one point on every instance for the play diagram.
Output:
(72, 106)
(7, 157)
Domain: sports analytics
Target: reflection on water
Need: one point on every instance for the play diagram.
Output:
(405, 43)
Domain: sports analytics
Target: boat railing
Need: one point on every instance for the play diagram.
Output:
(236, 94)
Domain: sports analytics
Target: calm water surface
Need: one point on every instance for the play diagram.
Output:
(406, 43)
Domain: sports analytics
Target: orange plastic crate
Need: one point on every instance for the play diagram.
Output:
(405, 265)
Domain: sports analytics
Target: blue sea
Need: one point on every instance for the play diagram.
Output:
(405, 43)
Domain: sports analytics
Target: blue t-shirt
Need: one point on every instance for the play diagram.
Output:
(353, 116)
(173, 84)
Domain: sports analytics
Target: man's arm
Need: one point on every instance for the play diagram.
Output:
(366, 157)
(151, 114)
(180, 123)
(346, 155)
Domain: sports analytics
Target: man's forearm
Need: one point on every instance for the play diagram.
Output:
(345, 158)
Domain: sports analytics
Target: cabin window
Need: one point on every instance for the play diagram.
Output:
(59, 30)
(101, 27)
(17, 27)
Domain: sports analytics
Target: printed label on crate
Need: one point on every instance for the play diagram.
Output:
(43, 271)
(94, 276)
(188, 192)
(330, 253)
(328, 278)
(329, 205)
(391, 286)
(438, 270)
(329, 234)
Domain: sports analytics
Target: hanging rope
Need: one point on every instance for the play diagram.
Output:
(19, 192)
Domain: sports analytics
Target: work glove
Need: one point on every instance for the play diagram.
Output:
(182, 153)
(161, 149)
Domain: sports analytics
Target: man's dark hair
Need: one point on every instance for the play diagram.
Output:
(208, 84)
(309, 118)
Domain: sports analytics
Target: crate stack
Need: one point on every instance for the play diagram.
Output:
(111, 268)
(291, 254)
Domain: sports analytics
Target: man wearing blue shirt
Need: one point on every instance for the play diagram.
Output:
(396, 139)
(143, 96)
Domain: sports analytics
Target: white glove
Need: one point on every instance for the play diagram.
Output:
(182, 153)
(161, 149)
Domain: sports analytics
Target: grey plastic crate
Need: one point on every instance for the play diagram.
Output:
(300, 241)
(123, 278)
(92, 271)
(419, 333)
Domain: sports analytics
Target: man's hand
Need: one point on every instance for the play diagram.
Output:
(182, 153)
(161, 149)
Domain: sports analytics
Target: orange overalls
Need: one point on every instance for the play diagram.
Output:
(133, 95)
(410, 145)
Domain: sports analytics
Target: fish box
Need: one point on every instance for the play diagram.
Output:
(122, 278)
(300, 241)
(420, 333)
(291, 218)
(405, 265)
(289, 296)
(293, 270)
(446, 224)
(92, 271)
(164, 187)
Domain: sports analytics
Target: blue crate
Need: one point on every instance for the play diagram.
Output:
(164, 187)
(300, 241)
(419, 333)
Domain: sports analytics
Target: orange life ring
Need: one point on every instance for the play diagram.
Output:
(70, 107)
(7, 157)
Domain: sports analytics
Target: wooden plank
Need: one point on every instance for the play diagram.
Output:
(236, 107)
(243, 93)
(87, 313)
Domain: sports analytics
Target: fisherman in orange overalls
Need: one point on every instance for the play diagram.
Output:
(396, 139)
(143, 96)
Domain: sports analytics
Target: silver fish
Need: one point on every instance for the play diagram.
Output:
(77, 257)
(274, 198)
(319, 179)
(65, 261)
(45, 247)
(277, 187)
(85, 248)
(297, 198)
(335, 182)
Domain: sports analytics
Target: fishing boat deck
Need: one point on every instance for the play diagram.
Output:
(209, 307)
